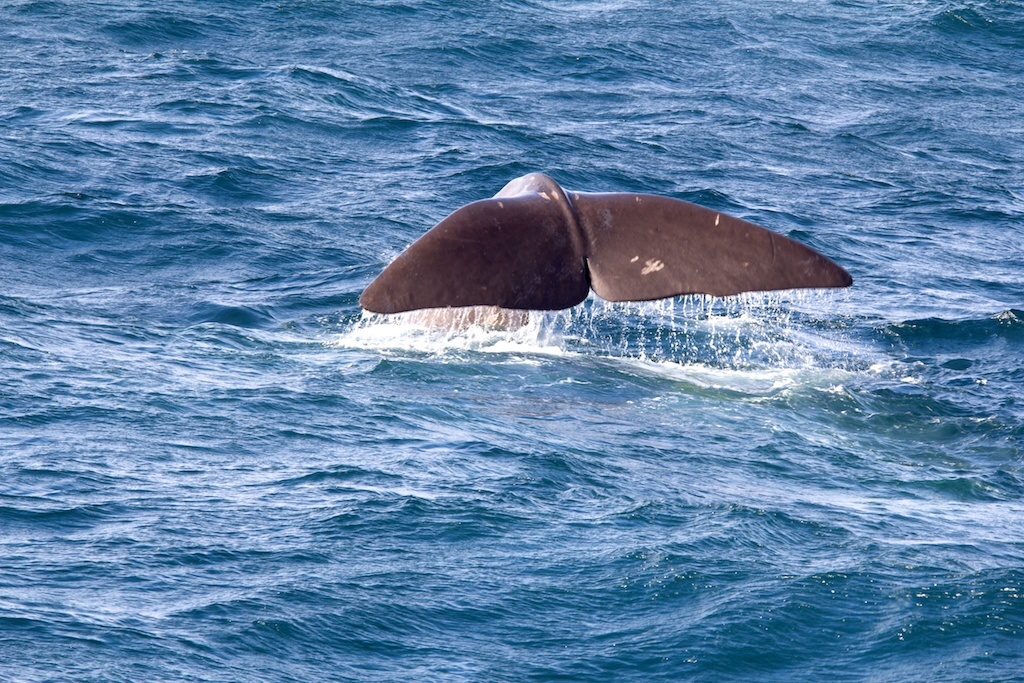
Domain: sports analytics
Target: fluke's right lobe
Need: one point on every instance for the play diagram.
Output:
(643, 247)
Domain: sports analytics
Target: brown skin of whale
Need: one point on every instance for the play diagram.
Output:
(534, 246)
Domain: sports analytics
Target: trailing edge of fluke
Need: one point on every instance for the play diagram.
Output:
(535, 246)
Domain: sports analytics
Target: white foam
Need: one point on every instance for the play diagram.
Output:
(407, 333)
(754, 382)
(748, 344)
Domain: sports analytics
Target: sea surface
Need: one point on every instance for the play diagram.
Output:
(215, 467)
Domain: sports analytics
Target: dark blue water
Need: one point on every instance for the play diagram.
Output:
(213, 467)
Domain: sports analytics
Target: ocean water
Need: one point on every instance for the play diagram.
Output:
(214, 467)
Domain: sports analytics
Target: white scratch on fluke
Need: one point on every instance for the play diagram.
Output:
(718, 217)
(652, 266)
(545, 196)
(634, 259)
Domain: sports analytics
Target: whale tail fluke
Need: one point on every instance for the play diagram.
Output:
(535, 247)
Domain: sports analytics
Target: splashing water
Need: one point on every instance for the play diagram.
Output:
(753, 342)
